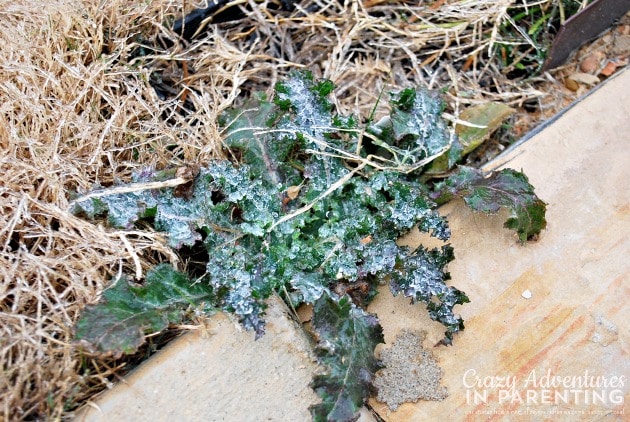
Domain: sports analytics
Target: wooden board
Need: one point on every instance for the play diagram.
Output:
(574, 328)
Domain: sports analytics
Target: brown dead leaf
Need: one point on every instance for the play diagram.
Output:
(305, 313)
(187, 172)
(571, 85)
(293, 192)
(584, 78)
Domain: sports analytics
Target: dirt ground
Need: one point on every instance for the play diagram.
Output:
(89, 95)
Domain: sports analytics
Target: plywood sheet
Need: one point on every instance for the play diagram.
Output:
(218, 374)
(559, 347)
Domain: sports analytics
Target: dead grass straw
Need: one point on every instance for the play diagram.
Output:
(75, 113)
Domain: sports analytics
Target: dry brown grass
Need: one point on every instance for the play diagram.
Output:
(73, 116)
(77, 110)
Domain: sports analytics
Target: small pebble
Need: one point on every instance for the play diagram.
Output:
(591, 63)
(527, 294)
(609, 69)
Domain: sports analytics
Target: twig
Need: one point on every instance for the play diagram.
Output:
(132, 187)
(133, 254)
(328, 191)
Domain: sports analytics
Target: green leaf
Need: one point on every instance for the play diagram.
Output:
(347, 336)
(291, 212)
(123, 210)
(309, 206)
(503, 189)
(183, 219)
(239, 274)
(489, 116)
(486, 119)
(345, 242)
(119, 322)
(412, 205)
(311, 112)
(415, 130)
(265, 152)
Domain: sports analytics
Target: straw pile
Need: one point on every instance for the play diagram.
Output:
(78, 109)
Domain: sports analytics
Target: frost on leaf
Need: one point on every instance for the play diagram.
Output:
(421, 276)
(307, 103)
(119, 322)
(266, 153)
(222, 195)
(488, 193)
(123, 210)
(346, 338)
(239, 276)
(414, 130)
(412, 205)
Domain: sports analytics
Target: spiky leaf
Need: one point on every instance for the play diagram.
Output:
(506, 188)
(421, 276)
(119, 322)
(303, 208)
(347, 336)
